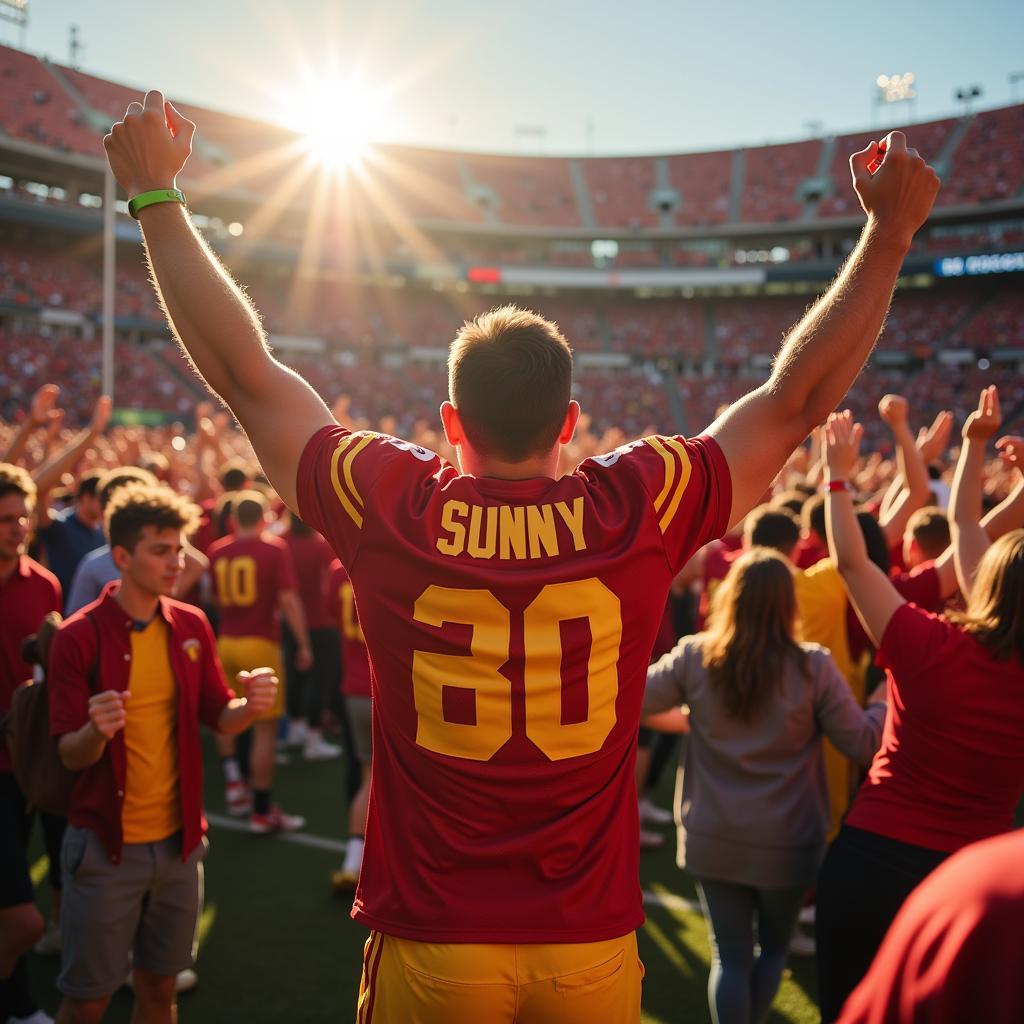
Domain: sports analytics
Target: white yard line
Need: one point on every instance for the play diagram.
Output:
(667, 900)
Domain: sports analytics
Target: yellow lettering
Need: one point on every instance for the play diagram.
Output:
(573, 518)
(476, 547)
(512, 531)
(540, 525)
(457, 541)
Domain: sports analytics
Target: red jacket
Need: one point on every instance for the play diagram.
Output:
(98, 795)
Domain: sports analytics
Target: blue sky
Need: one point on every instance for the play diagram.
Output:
(647, 76)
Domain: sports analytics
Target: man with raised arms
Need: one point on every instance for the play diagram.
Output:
(509, 615)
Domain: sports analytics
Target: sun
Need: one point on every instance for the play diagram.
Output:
(338, 118)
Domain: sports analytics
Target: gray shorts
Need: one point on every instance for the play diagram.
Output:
(143, 911)
(360, 718)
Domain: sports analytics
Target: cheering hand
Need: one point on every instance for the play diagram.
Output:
(842, 444)
(150, 146)
(985, 420)
(895, 186)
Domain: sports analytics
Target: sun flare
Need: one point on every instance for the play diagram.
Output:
(338, 118)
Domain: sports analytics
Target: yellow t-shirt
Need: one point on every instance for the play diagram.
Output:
(152, 798)
(821, 610)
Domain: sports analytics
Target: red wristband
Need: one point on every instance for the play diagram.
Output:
(837, 485)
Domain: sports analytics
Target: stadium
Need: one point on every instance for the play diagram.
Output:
(675, 277)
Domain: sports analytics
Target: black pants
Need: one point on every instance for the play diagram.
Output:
(862, 885)
(15, 889)
(310, 692)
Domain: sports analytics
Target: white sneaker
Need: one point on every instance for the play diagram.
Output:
(802, 945)
(652, 814)
(49, 941)
(297, 734)
(318, 749)
(39, 1017)
(238, 799)
(275, 820)
(185, 981)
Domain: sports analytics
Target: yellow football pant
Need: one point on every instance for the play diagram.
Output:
(407, 982)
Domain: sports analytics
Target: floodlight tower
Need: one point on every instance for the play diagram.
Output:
(16, 12)
(890, 89)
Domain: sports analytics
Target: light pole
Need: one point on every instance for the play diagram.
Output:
(966, 95)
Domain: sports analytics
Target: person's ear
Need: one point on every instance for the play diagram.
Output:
(572, 417)
(453, 431)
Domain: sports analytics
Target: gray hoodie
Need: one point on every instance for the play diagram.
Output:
(751, 798)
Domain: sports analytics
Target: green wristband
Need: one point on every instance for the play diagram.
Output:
(158, 195)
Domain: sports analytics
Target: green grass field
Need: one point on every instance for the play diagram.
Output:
(275, 946)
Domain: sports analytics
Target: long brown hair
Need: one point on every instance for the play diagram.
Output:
(995, 609)
(749, 638)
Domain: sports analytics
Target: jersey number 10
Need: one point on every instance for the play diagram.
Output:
(236, 581)
(489, 650)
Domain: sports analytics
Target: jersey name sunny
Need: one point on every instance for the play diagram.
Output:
(511, 531)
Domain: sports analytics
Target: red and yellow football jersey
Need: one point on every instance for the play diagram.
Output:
(510, 624)
(341, 600)
(248, 575)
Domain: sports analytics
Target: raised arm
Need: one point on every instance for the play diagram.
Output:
(823, 354)
(970, 541)
(916, 488)
(49, 474)
(874, 598)
(41, 412)
(1009, 513)
(210, 316)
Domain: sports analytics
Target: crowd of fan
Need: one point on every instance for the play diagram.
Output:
(915, 489)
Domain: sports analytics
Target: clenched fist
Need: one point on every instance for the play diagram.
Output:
(260, 687)
(149, 147)
(106, 712)
(895, 186)
(893, 410)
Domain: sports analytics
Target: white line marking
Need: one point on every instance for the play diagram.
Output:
(670, 901)
(298, 838)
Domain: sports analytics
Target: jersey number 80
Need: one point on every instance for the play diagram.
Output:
(489, 651)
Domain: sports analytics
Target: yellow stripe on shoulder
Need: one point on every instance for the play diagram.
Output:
(684, 479)
(339, 489)
(349, 459)
(670, 470)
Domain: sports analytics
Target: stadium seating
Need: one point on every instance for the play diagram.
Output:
(989, 162)
(703, 181)
(773, 178)
(535, 191)
(620, 191)
(35, 108)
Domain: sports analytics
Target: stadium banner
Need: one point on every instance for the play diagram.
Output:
(576, 277)
(140, 418)
(986, 263)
